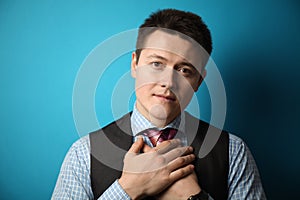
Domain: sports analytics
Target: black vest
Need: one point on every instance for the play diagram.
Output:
(110, 144)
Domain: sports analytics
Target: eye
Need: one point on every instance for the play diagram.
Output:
(186, 71)
(157, 65)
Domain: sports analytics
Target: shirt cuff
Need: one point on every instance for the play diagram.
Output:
(115, 191)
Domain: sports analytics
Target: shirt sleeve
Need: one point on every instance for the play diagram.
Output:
(115, 191)
(74, 178)
(244, 179)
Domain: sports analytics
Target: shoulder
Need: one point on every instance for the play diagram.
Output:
(236, 142)
(81, 144)
(190, 120)
(79, 150)
(77, 159)
(208, 139)
(237, 147)
(122, 123)
(206, 131)
(239, 154)
(244, 179)
(196, 124)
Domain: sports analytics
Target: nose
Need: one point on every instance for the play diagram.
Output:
(168, 78)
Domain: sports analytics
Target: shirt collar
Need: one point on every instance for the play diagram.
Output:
(140, 123)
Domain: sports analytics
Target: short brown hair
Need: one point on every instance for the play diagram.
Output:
(184, 22)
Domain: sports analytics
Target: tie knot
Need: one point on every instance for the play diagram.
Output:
(157, 136)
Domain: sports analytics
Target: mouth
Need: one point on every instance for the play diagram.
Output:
(167, 98)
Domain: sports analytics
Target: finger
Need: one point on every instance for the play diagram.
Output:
(180, 162)
(188, 150)
(177, 152)
(182, 172)
(137, 145)
(146, 148)
(167, 146)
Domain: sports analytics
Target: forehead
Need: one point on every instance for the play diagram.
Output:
(177, 44)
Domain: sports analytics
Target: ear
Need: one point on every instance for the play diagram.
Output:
(133, 65)
(202, 76)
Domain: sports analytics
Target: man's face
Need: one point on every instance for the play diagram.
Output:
(166, 79)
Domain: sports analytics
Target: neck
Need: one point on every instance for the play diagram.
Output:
(158, 122)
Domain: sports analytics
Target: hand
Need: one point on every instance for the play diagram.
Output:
(149, 173)
(181, 189)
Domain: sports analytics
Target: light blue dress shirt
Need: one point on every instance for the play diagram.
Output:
(74, 178)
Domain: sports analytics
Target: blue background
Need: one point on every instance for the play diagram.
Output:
(43, 43)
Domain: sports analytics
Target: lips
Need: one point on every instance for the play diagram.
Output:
(165, 97)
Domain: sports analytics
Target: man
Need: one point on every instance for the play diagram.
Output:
(152, 152)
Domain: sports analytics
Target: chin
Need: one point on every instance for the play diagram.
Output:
(163, 115)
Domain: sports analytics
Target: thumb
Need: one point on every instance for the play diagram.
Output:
(137, 145)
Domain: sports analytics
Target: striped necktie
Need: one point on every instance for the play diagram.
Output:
(158, 136)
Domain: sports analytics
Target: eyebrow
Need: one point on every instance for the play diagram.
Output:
(157, 56)
(165, 59)
(188, 64)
